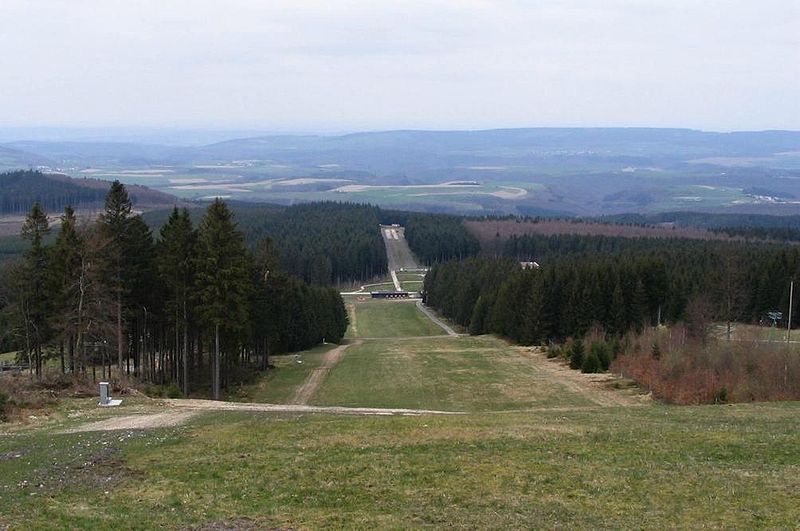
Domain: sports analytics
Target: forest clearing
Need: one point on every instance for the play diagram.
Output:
(461, 407)
(540, 446)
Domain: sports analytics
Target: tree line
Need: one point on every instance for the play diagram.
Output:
(322, 243)
(193, 306)
(20, 189)
(439, 237)
(622, 291)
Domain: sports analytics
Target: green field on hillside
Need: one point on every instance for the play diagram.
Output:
(447, 373)
(649, 467)
(390, 319)
(537, 447)
(279, 385)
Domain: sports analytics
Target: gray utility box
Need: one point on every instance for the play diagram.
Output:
(105, 396)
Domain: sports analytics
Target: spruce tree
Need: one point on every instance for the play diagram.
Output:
(114, 224)
(222, 281)
(176, 258)
(576, 356)
(36, 286)
(142, 290)
(66, 267)
(591, 364)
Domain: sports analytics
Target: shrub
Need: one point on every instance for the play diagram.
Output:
(3, 406)
(708, 371)
(602, 351)
(721, 396)
(591, 364)
(553, 351)
(173, 391)
(576, 356)
(656, 351)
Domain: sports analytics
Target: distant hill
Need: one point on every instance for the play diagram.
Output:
(15, 158)
(548, 171)
(394, 150)
(20, 189)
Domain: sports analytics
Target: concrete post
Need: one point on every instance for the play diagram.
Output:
(104, 396)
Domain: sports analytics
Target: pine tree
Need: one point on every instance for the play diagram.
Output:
(176, 261)
(222, 281)
(576, 356)
(591, 364)
(66, 267)
(142, 290)
(36, 285)
(114, 223)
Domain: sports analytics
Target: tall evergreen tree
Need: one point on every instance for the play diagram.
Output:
(142, 286)
(66, 267)
(114, 223)
(222, 281)
(36, 285)
(176, 262)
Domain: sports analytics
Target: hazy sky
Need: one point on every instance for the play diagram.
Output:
(341, 65)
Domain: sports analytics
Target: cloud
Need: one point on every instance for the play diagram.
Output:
(348, 64)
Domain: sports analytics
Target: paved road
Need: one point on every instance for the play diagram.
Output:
(397, 250)
(433, 317)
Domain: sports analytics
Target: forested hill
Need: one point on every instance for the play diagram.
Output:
(754, 226)
(21, 189)
(322, 243)
(619, 291)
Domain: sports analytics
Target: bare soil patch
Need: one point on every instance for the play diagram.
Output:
(314, 380)
(597, 388)
(138, 422)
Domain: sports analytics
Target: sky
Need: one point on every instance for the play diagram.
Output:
(346, 65)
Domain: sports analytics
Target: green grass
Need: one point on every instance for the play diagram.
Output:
(377, 318)
(745, 332)
(651, 467)
(383, 286)
(447, 373)
(411, 285)
(418, 277)
(566, 463)
(8, 357)
(279, 385)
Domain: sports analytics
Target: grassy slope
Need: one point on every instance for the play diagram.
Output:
(453, 374)
(279, 385)
(391, 319)
(650, 467)
(564, 465)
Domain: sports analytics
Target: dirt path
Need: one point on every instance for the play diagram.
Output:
(212, 405)
(432, 316)
(314, 380)
(594, 387)
(351, 312)
(179, 411)
(137, 422)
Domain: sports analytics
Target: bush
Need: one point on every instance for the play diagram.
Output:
(721, 396)
(656, 351)
(173, 391)
(712, 371)
(553, 351)
(576, 356)
(591, 364)
(602, 351)
(3, 406)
